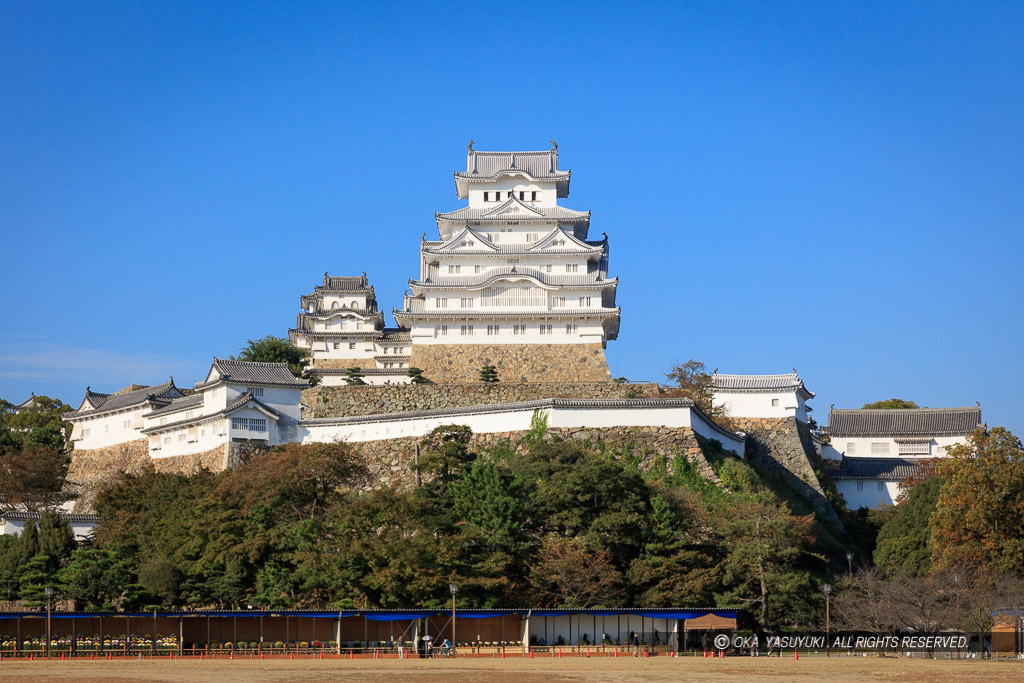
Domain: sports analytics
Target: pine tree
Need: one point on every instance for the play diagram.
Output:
(354, 377)
(35, 577)
(417, 376)
(488, 374)
(56, 540)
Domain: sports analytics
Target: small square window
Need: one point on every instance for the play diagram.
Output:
(881, 486)
(351, 346)
(860, 486)
(775, 403)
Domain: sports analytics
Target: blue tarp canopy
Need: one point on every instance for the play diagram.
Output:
(398, 616)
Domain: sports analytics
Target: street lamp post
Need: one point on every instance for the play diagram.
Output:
(849, 566)
(828, 591)
(49, 596)
(454, 588)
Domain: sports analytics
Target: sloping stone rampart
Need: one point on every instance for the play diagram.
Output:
(783, 445)
(392, 462)
(514, 362)
(94, 469)
(343, 401)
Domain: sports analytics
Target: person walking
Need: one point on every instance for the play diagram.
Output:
(636, 644)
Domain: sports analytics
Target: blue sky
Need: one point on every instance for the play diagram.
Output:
(835, 187)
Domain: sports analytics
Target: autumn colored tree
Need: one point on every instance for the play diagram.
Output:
(567, 573)
(32, 477)
(692, 381)
(978, 518)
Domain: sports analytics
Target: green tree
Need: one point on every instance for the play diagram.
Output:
(35, 576)
(891, 403)
(271, 349)
(674, 567)
(354, 377)
(37, 425)
(416, 375)
(162, 579)
(904, 542)
(977, 520)
(488, 374)
(56, 539)
(445, 453)
(763, 542)
(97, 579)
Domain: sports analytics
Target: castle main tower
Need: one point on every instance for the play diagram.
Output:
(513, 281)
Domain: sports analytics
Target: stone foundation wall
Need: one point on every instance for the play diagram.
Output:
(514, 362)
(93, 470)
(784, 445)
(342, 401)
(392, 462)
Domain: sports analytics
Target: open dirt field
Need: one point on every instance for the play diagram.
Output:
(807, 670)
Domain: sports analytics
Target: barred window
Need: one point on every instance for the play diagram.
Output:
(915, 448)
(545, 329)
(879, 448)
(851, 448)
(249, 424)
(257, 391)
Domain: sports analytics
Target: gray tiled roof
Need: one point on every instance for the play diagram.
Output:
(924, 421)
(392, 335)
(345, 283)
(177, 404)
(510, 407)
(787, 381)
(158, 395)
(889, 469)
(588, 281)
(246, 372)
(545, 214)
(242, 400)
(475, 314)
(543, 164)
(760, 383)
(71, 517)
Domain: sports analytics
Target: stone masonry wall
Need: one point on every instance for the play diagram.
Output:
(342, 401)
(784, 445)
(514, 362)
(392, 462)
(93, 470)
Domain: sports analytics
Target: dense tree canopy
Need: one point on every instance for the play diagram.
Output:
(890, 403)
(537, 521)
(978, 518)
(271, 349)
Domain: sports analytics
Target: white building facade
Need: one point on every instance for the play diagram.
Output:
(775, 396)
(512, 267)
(238, 402)
(342, 328)
(506, 417)
(104, 420)
(872, 451)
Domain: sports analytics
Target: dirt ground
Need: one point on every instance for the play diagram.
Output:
(807, 670)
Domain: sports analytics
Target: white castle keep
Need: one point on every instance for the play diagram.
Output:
(513, 281)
